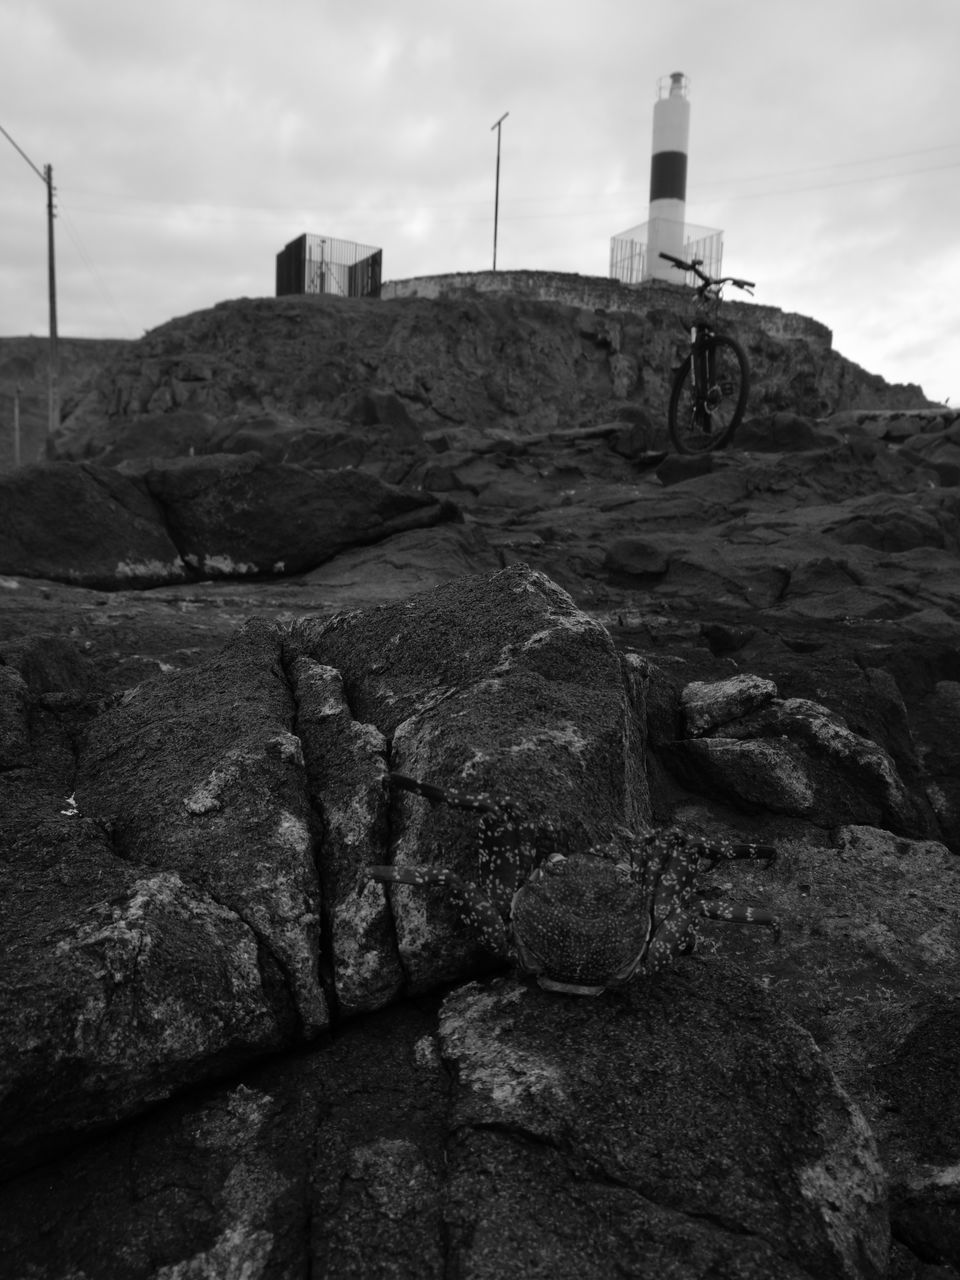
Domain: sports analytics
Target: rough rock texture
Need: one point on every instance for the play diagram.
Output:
(493, 684)
(236, 515)
(161, 914)
(767, 646)
(212, 517)
(728, 1149)
(86, 525)
(209, 832)
(319, 375)
(24, 378)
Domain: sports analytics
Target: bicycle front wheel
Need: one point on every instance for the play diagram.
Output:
(705, 418)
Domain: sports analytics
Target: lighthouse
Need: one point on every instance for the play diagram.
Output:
(668, 175)
(635, 253)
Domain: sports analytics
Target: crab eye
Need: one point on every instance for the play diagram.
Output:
(555, 862)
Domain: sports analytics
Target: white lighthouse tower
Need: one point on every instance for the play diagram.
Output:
(635, 253)
(668, 175)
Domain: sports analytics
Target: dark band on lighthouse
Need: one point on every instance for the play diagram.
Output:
(668, 176)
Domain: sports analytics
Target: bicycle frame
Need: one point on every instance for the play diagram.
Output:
(716, 389)
(701, 376)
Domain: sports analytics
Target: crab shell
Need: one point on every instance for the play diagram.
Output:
(581, 924)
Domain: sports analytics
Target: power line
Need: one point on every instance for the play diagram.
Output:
(94, 273)
(219, 214)
(840, 164)
(154, 209)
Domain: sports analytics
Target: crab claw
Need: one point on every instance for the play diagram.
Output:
(737, 913)
(475, 910)
(714, 853)
(482, 803)
(435, 795)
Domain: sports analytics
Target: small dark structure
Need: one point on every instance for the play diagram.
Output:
(321, 264)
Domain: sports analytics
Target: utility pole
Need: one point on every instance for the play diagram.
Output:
(496, 190)
(53, 363)
(16, 427)
(53, 368)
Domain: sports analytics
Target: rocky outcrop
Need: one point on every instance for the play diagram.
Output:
(222, 516)
(694, 1123)
(186, 890)
(789, 755)
(224, 1050)
(86, 525)
(311, 374)
(24, 384)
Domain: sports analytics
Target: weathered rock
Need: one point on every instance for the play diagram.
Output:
(217, 516)
(706, 706)
(831, 572)
(494, 682)
(403, 565)
(84, 524)
(14, 727)
(920, 1084)
(781, 432)
(346, 762)
(789, 755)
(202, 774)
(236, 515)
(161, 903)
(682, 1128)
(330, 1161)
(123, 979)
(637, 558)
(574, 1136)
(554, 351)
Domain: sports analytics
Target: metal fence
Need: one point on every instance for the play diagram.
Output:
(323, 264)
(630, 261)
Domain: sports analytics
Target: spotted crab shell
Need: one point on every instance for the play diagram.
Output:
(581, 924)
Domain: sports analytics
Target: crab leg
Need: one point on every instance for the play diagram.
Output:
(675, 936)
(439, 795)
(476, 911)
(725, 850)
(505, 843)
(737, 913)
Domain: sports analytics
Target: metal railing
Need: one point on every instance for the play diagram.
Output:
(631, 260)
(324, 264)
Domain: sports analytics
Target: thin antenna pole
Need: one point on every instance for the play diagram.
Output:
(496, 190)
(53, 380)
(16, 426)
(53, 363)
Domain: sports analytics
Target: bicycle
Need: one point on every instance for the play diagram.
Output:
(710, 388)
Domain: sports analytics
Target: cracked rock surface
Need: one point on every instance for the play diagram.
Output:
(185, 896)
(445, 540)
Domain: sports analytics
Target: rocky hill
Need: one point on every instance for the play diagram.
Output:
(24, 373)
(291, 546)
(316, 368)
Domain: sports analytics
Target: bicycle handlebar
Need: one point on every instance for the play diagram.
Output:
(695, 265)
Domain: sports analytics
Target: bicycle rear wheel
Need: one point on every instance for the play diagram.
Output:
(699, 424)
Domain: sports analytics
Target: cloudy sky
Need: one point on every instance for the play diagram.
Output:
(191, 140)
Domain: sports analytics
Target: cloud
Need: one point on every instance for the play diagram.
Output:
(191, 142)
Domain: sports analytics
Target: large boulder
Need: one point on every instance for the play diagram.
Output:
(216, 829)
(754, 749)
(84, 524)
(686, 1129)
(219, 516)
(160, 906)
(235, 515)
(187, 890)
(497, 683)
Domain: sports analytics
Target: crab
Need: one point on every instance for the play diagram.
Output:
(580, 922)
